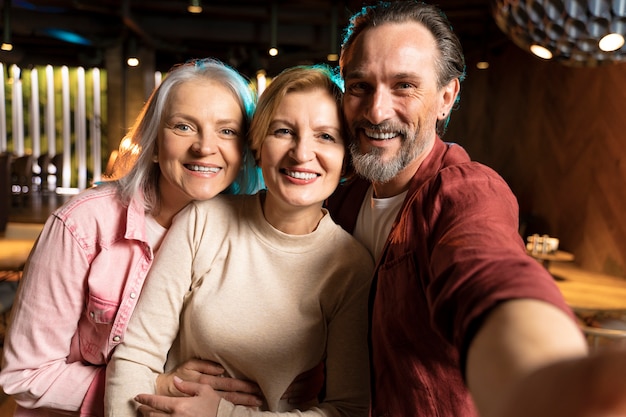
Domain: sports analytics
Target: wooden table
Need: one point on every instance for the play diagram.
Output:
(557, 256)
(589, 291)
(15, 246)
(598, 300)
(13, 252)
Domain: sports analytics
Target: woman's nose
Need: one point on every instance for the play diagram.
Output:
(204, 144)
(302, 149)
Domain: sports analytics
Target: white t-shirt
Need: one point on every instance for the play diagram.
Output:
(375, 220)
(154, 232)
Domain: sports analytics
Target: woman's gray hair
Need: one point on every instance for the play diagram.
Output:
(450, 62)
(135, 170)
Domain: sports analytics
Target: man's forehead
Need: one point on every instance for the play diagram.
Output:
(402, 48)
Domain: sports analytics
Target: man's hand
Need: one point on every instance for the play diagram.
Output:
(209, 373)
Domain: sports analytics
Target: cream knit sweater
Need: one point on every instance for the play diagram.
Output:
(228, 287)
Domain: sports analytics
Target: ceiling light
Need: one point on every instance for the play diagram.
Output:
(482, 65)
(6, 37)
(132, 55)
(541, 51)
(575, 32)
(333, 55)
(611, 42)
(195, 6)
(273, 50)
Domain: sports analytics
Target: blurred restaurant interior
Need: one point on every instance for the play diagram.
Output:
(551, 124)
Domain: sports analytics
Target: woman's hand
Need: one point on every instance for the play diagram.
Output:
(201, 401)
(209, 373)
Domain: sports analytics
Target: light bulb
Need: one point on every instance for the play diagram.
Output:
(541, 51)
(611, 42)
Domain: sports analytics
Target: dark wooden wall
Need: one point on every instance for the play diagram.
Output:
(557, 135)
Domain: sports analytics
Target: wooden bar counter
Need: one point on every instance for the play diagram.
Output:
(587, 291)
(15, 246)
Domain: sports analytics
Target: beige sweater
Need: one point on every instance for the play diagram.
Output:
(266, 305)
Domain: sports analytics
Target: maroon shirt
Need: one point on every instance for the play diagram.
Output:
(454, 252)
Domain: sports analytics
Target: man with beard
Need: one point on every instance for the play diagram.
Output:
(462, 321)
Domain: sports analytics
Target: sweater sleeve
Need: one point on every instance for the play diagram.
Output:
(155, 322)
(35, 368)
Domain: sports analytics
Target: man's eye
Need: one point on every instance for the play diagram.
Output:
(358, 87)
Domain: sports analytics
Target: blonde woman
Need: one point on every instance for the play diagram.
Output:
(268, 285)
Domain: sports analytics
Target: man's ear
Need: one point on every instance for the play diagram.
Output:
(449, 93)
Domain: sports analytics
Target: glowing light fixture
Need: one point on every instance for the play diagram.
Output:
(541, 51)
(6, 37)
(482, 65)
(195, 6)
(66, 36)
(261, 81)
(611, 42)
(273, 50)
(574, 32)
(333, 55)
(133, 58)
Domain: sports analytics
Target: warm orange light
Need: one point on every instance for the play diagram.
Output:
(611, 42)
(194, 6)
(540, 51)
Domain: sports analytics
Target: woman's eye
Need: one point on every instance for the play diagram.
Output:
(282, 132)
(327, 137)
(229, 132)
(182, 127)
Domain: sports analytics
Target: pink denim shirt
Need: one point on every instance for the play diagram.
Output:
(79, 288)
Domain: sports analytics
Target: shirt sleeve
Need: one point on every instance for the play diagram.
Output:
(154, 325)
(48, 306)
(478, 257)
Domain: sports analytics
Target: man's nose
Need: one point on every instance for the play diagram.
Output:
(380, 107)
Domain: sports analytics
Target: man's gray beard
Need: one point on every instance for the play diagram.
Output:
(371, 166)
